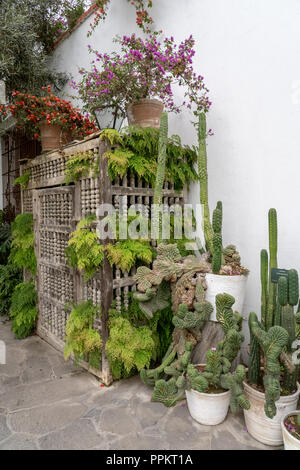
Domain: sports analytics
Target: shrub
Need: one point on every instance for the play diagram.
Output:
(23, 309)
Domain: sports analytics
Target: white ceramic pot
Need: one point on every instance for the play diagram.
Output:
(233, 285)
(208, 408)
(263, 429)
(290, 442)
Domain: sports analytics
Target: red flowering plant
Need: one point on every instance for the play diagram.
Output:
(144, 69)
(30, 111)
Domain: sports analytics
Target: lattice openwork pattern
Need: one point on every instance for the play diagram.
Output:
(57, 209)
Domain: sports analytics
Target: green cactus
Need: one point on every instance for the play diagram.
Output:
(272, 344)
(192, 319)
(288, 295)
(203, 177)
(160, 173)
(217, 238)
(254, 374)
(264, 285)
(233, 382)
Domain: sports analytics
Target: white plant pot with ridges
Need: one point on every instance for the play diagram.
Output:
(234, 285)
(263, 429)
(290, 442)
(208, 408)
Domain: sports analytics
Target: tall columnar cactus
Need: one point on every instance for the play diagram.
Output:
(272, 295)
(272, 344)
(203, 177)
(217, 238)
(160, 173)
(288, 295)
(264, 264)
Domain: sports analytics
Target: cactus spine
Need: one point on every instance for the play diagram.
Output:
(160, 174)
(217, 238)
(203, 177)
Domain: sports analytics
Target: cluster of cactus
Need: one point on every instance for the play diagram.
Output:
(273, 337)
(213, 230)
(218, 365)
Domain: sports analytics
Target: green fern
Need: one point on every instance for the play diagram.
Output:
(127, 253)
(22, 247)
(23, 180)
(135, 149)
(82, 340)
(131, 346)
(84, 251)
(23, 309)
(10, 277)
(5, 242)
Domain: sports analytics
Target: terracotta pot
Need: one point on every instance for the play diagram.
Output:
(290, 442)
(263, 429)
(53, 136)
(146, 113)
(208, 408)
(233, 285)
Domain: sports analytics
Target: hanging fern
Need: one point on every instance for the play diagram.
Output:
(5, 242)
(82, 341)
(160, 327)
(135, 149)
(23, 309)
(84, 251)
(22, 247)
(127, 253)
(10, 277)
(128, 346)
(81, 165)
(23, 180)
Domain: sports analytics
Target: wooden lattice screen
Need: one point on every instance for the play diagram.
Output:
(57, 209)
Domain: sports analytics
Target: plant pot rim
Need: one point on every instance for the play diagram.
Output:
(208, 394)
(262, 394)
(232, 276)
(291, 413)
(145, 101)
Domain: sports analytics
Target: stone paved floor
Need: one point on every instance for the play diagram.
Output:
(47, 403)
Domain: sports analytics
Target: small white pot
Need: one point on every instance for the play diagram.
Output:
(233, 285)
(208, 408)
(290, 442)
(263, 429)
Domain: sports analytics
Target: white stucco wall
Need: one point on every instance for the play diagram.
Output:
(248, 52)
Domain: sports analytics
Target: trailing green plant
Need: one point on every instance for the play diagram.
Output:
(219, 360)
(82, 340)
(160, 326)
(23, 180)
(84, 251)
(10, 277)
(5, 242)
(127, 253)
(23, 309)
(135, 149)
(80, 165)
(272, 338)
(128, 346)
(22, 247)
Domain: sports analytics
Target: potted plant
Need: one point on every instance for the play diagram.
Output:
(50, 118)
(209, 388)
(271, 386)
(138, 82)
(290, 425)
(227, 273)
